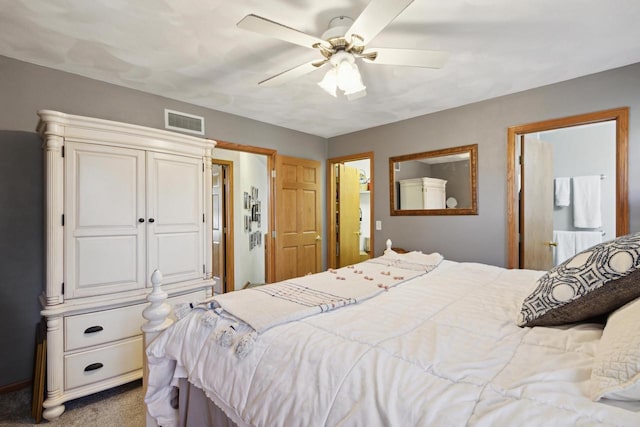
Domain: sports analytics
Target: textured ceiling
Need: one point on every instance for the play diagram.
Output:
(192, 51)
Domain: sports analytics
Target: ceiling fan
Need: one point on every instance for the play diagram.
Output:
(342, 44)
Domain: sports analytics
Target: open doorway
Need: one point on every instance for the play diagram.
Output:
(243, 249)
(563, 149)
(350, 209)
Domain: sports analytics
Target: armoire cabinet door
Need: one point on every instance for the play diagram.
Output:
(175, 205)
(104, 240)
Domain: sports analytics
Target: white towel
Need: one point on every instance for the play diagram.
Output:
(586, 202)
(562, 191)
(566, 245)
(586, 239)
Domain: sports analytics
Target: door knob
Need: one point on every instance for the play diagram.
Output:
(318, 237)
(552, 243)
(152, 220)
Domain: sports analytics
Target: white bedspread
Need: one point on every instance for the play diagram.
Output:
(267, 306)
(439, 350)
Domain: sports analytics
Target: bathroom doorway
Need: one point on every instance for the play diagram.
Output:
(350, 202)
(525, 235)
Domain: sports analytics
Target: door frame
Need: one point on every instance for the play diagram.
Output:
(270, 260)
(331, 202)
(621, 117)
(229, 258)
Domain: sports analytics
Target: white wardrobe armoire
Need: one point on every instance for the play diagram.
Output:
(120, 202)
(423, 193)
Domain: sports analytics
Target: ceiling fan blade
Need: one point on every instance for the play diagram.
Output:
(273, 29)
(291, 74)
(377, 15)
(408, 57)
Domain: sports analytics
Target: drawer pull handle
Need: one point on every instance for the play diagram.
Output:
(93, 329)
(93, 367)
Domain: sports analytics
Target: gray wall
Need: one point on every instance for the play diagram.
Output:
(482, 238)
(21, 251)
(412, 169)
(457, 175)
(25, 89)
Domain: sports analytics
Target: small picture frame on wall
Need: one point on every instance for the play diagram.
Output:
(247, 200)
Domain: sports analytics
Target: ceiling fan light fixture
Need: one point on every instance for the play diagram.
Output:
(349, 78)
(330, 82)
(343, 75)
(342, 43)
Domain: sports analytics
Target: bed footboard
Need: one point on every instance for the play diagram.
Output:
(157, 316)
(157, 320)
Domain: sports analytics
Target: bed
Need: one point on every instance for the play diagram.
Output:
(431, 342)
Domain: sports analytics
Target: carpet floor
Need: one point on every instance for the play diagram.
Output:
(120, 406)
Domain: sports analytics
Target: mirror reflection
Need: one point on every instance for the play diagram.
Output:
(440, 182)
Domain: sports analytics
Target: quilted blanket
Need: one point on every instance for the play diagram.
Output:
(267, 306)
(441, 349)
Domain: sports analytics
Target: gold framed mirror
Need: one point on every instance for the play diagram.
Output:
(438, 182)
(531, 242)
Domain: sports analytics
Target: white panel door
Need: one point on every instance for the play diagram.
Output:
(104, 240)
(175, 212)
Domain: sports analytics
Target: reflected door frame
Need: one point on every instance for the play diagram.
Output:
(226, 219)
(271, 162)
(331, 204)
(620, 116)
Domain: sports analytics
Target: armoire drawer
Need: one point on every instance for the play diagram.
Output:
(100, 327)
(102, 363)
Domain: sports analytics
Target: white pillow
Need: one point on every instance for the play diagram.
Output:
(616, 368)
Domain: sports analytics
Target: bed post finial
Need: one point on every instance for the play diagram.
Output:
(157, 315)
(388, 246)
(158, 311)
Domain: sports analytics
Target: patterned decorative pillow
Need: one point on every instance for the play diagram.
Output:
(591, 283)
(616, 367)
